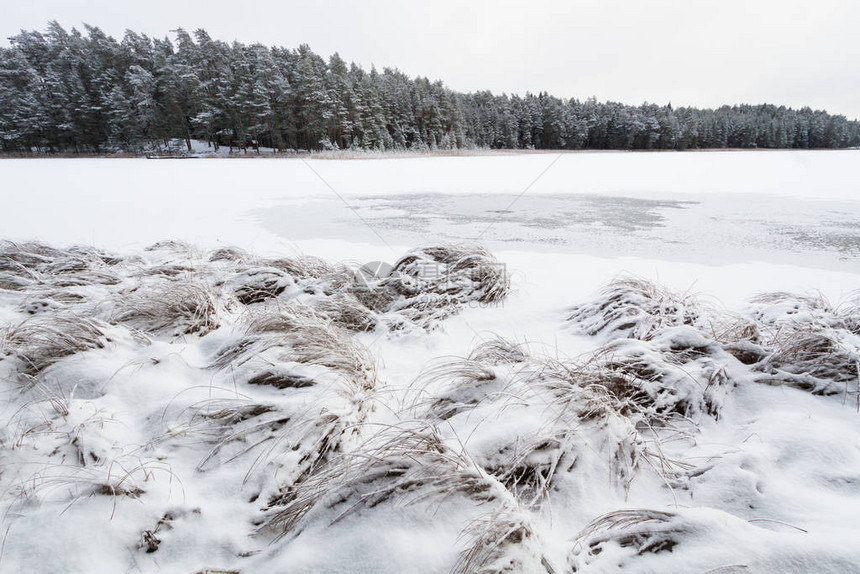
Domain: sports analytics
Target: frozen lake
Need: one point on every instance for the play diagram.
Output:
(710, 229)
(784, 207)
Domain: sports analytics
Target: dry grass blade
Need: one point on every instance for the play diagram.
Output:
(466, 383)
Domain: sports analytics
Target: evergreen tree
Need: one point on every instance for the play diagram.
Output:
(86, 92)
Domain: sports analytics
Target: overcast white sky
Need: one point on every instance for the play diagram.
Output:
(689, 52)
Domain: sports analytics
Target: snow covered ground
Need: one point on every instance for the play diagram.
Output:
(130, 446)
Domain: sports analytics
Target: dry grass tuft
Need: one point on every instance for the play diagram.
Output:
(258, 284)
(465, 383)
(499, 351)
(316, 275)
(429, 284)
(576, 410)
(466, 272)
(171, 245)
(528, 466)
(635, 308)
(14, 282)
(813, 358)
(811, 343)
(850, 313)
(233, 255)
(34, 264)
(795, 302)
(281, 380)
(774, 309)
(346, 311)
(108, 478)
(397, 466)
(296, 334)
(503, 542)
(331, 408)
(659, 382)
(623, 535)
(170, 271)
(172, 309)
(235, 428)
(42, 341)
(25, 258)
(229, 413)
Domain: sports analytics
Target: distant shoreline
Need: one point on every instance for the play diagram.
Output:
(351, 155)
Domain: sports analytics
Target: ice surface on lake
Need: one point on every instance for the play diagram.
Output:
(712, 229)
(659, 204)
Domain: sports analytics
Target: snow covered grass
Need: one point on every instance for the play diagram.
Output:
(262, 380)
(799, 340)
(813, 343)
(244, 390)
(39, 342)
(176, 308)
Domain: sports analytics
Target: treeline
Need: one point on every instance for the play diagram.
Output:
(67, 91)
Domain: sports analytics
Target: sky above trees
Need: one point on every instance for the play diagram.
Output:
(701, 52)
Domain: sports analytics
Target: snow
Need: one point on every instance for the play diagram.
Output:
(770, 484)
(103, 201)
